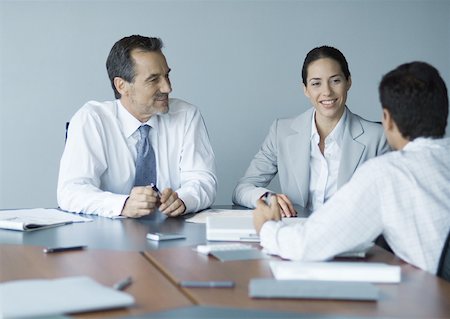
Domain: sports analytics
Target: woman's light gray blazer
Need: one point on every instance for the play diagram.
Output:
(286, 151)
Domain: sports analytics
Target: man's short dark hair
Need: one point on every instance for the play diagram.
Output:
(322, 53)
(416, 97)
(121, 64)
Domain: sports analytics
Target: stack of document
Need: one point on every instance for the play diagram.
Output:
(236, 227)
(224, 228)
(44, 297)
(336, 271)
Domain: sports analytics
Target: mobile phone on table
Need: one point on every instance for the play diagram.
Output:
(164, 236)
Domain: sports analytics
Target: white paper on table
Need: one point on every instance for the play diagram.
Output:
(336, 271)
(200, 218)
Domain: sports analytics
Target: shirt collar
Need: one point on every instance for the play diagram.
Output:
(129, 123)
(314, 132)
(336, 134)
(419, 143)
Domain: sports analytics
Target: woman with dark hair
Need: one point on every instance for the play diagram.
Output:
(318, 151)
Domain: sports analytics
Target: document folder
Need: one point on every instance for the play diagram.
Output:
(305, 289)
(46, 297)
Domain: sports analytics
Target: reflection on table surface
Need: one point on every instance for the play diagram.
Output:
(118, 234)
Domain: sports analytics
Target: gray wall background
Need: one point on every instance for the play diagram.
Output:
(238, 61)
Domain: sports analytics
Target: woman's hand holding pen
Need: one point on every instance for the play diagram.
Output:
(287, 209)
(264, 212)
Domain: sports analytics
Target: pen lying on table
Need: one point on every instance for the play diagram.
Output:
(207, 284)
(123, 284)
(62, 249)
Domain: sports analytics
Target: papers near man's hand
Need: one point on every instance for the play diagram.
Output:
(37, 218)
(200, 218)
(336, 271)
(224, 228)
(36, 297)
(236, 228)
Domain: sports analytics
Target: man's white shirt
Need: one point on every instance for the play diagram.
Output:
(404, 195)
(97, 168)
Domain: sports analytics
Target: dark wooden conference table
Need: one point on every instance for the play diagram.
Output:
(118, 248)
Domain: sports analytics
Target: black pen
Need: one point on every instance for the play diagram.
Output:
(153, 186)
(267, 197)
(62, 249)
(121, 285)
(207, 284)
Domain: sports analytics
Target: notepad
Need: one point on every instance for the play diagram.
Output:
(46, 297)
(336, 271)
(37, 218)
(306, 289)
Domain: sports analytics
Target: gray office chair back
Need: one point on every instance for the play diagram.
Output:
(444, 262)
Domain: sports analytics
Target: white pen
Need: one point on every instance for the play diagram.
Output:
(123, 284)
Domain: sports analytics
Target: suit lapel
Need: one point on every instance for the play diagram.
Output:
(352, 150)
(299, 156)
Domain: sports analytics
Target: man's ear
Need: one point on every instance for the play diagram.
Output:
(388, 122)
(121, 85)
(395, 138)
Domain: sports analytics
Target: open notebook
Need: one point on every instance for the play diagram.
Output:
(37, 218)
